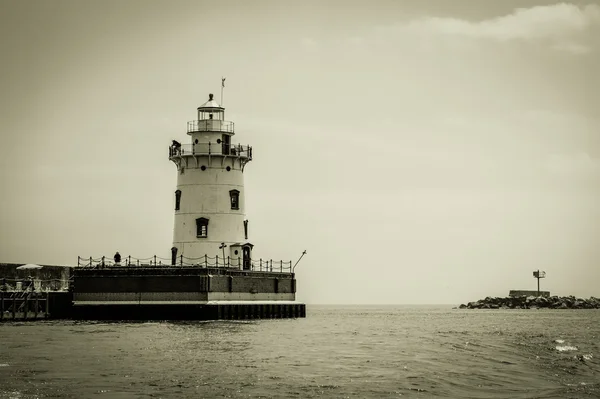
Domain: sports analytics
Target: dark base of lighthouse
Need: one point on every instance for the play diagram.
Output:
(189, 312)
(183, 293)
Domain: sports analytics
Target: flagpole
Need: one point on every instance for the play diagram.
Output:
(222, 86)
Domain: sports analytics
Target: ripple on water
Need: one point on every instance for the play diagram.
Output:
(336, 352)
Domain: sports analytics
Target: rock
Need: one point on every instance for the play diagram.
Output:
(531, 302)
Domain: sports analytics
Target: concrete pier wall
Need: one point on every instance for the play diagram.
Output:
(225, 311)
(183, 293)
(180, 284)
(158, 293)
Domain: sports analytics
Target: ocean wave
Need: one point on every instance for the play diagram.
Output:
(565, 348)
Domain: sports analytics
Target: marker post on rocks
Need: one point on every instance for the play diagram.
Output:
(539, 274)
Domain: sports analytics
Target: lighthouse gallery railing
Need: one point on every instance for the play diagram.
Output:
(210, 125)
(236, 150)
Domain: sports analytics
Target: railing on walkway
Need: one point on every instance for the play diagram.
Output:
(34, 284)
(257, 265)
(210, 125)
(234, 150)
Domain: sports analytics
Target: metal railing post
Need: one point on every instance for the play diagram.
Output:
(181, 260)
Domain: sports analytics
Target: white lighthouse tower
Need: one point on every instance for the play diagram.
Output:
(210, 224)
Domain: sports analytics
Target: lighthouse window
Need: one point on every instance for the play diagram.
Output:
(177, 199)
(202, 227)
(234, 195)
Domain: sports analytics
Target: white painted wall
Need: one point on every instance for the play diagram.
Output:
(205, 193)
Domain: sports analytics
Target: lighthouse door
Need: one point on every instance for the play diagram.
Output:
(246, 258)
(226, 144)
(174, 256)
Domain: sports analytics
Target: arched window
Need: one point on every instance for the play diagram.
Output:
(177, 199)
(202, 227)
(234, 196)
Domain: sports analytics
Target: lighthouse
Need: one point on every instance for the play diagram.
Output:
(210, 226)
(211, 274)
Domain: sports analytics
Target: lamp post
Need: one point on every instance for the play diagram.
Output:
(223, 246)
(294, 268)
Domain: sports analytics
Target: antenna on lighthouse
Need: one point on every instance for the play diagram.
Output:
(222, 86)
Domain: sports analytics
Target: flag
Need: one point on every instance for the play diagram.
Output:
(222, 82)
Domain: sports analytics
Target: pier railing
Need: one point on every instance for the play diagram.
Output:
(233, 150)
(257, 265)
(32, 284)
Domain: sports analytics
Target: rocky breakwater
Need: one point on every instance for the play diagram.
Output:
(532, 302)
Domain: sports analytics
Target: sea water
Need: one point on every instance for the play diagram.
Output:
(336, 352)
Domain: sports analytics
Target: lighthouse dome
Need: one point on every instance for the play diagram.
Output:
(210, 105)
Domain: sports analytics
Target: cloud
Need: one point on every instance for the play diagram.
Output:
(561, 26)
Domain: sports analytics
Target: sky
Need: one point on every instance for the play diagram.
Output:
(421, 152)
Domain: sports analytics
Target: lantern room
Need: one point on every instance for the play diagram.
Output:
(211, 110)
